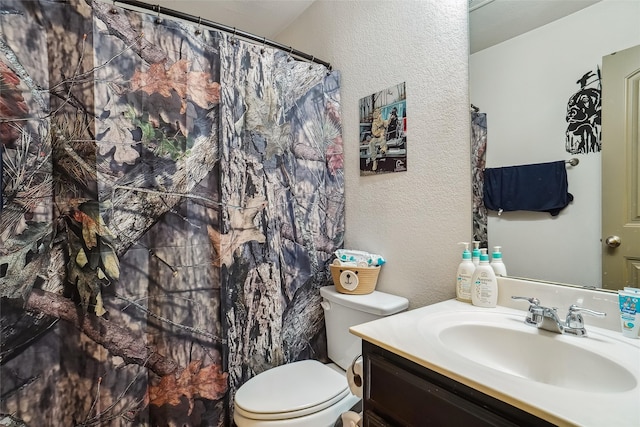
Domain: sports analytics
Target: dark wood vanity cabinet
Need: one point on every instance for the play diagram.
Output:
(398, 392)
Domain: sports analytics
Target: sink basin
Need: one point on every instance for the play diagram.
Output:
(538, 357)
(502, 342)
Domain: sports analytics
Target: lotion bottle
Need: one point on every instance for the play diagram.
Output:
(465, 273)
(475, 255)
(496, 262)
(484, 286)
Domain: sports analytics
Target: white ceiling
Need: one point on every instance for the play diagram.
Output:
(494, 21)
(491, 21)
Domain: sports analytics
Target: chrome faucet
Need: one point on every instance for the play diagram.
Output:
(547, 318)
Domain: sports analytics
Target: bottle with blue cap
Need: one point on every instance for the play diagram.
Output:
(496, 262)
(465, 273)
(484, 286)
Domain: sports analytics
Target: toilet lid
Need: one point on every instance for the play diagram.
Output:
(291, 390)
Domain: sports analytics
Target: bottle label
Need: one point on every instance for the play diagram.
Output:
(464, 285)
(483, 288)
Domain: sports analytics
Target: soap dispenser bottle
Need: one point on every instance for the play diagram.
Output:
(465, 273)
(475, 255)
(496, 262)
(484, 286)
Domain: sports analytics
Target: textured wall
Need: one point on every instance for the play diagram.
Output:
(413, 218)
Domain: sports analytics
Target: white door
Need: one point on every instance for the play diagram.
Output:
(620, 166)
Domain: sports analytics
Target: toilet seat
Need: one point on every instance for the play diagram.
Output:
(289, 391)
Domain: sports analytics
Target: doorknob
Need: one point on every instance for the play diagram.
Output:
(613, 241)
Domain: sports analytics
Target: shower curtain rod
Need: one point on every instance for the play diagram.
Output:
(215, 25)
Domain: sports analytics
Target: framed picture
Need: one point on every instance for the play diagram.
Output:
(383, 131)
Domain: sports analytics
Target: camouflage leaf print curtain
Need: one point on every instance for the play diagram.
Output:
(171, 199)
(282, 155)
(478, 156)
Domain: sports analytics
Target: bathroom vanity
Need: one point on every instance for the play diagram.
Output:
(401, 392)
(451, 363)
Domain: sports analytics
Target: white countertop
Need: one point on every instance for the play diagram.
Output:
(409, 335)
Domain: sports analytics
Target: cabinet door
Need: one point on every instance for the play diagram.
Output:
(398, 392)
(404, 399)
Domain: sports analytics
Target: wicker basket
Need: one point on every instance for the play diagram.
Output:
(355, 280)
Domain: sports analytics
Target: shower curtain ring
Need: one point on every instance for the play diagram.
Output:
(198, 31)
(113, 10)
(158, 19)
(312, 60)
(264, 39)
(290, 50)
(233, 36)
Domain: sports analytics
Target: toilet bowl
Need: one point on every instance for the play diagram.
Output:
(308, 393)
(305, 393)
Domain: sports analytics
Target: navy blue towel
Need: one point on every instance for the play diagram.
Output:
(540, 187)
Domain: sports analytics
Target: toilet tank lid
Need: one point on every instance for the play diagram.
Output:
(378, 303)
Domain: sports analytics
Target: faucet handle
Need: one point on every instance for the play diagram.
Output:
(574, 316)
(532, 301)
(577, 309)
(536, 312)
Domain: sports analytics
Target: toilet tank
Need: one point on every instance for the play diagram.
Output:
(341, 311)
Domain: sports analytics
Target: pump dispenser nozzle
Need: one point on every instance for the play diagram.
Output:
(465, 254)
(475, 255)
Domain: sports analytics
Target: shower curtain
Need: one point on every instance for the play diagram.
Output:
(172, 197)
(478, 157)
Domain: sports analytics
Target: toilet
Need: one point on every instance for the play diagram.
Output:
(308, 393)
